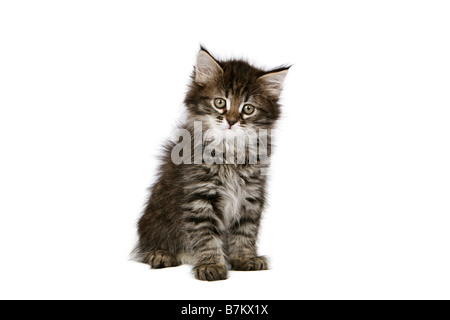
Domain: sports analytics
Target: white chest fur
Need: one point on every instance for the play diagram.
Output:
(232, 191)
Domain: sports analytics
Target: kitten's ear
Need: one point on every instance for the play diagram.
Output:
(273, 80)
(206, 68)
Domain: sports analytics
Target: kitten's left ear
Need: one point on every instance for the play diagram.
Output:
(206, 68)
(273, 80)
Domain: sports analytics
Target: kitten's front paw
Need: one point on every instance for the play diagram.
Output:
(210, 272)
(249, 264)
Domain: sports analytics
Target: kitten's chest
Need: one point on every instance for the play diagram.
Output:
(232, 191)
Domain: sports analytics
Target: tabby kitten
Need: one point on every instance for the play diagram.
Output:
(207, 213)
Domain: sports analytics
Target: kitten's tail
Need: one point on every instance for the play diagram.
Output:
(138, 254)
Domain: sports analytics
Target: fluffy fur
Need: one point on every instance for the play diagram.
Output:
(208, 214)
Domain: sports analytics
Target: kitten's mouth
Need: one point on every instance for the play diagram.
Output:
(231, 129)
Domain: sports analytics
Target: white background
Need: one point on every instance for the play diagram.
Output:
(360, 184)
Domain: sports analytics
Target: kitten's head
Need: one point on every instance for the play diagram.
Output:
(233, 96)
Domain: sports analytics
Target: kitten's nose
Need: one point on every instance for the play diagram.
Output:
(231, 122)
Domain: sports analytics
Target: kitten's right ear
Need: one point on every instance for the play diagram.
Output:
(206, 68)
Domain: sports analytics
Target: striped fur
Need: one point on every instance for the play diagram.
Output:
(209, 214)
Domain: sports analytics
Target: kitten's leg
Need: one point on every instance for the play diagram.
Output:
(162, 259)
(205, 229)
(242, 250)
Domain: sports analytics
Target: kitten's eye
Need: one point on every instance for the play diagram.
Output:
(248, 109)
(220, 103)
